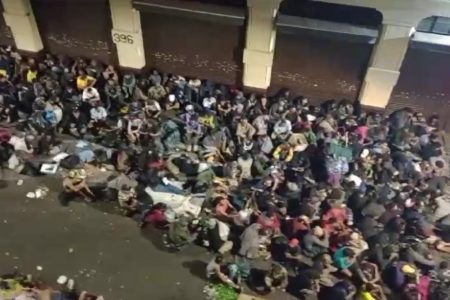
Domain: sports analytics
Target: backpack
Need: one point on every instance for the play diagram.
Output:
(70, 162)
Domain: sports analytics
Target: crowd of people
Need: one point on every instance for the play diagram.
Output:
(346, 204)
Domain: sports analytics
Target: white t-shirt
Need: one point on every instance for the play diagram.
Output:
(98, 113)
(90, 94)
(208, 102)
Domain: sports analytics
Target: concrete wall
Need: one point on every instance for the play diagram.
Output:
(319, 67)
(76, 27)
(424, 82)
(6, 37)
(193, 47)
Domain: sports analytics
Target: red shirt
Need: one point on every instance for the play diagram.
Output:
(272, 223)
(223, 206)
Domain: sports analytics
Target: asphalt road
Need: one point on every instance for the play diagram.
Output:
(103, 251)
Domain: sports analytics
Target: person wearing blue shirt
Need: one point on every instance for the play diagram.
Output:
(344, 258)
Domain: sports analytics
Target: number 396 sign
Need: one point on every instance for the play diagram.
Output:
(122, 38)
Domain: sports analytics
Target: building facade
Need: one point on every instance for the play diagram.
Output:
(384, 53)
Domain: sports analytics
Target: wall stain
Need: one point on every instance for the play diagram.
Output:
(307, 82)
(6, 35)
(65, 41)
(195, 62)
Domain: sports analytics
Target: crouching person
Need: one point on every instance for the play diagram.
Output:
(127, 198)
(75, 187)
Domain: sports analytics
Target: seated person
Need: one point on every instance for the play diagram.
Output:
(214, 272)
(75, 185)
(283, 152)
(224, 208)
(155, 216)
(127, 199)
(75, 122)
(344, 258)
(98, 114)
(270, 221)
(276, 278)
(315, 242)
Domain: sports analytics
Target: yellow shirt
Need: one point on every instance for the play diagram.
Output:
(367, 296)
(83, 83)
(31, 75)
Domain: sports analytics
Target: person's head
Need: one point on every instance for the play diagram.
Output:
(219, 259)
(244, 120)
(190, 109)
(268, 181)
(318, 231)
(82, 73)
(439, 164)
(349, 253)
(444, 265)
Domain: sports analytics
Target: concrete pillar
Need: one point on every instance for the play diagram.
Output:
(127, 34)
(260, 42)
(384, 68)
(20, 19)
